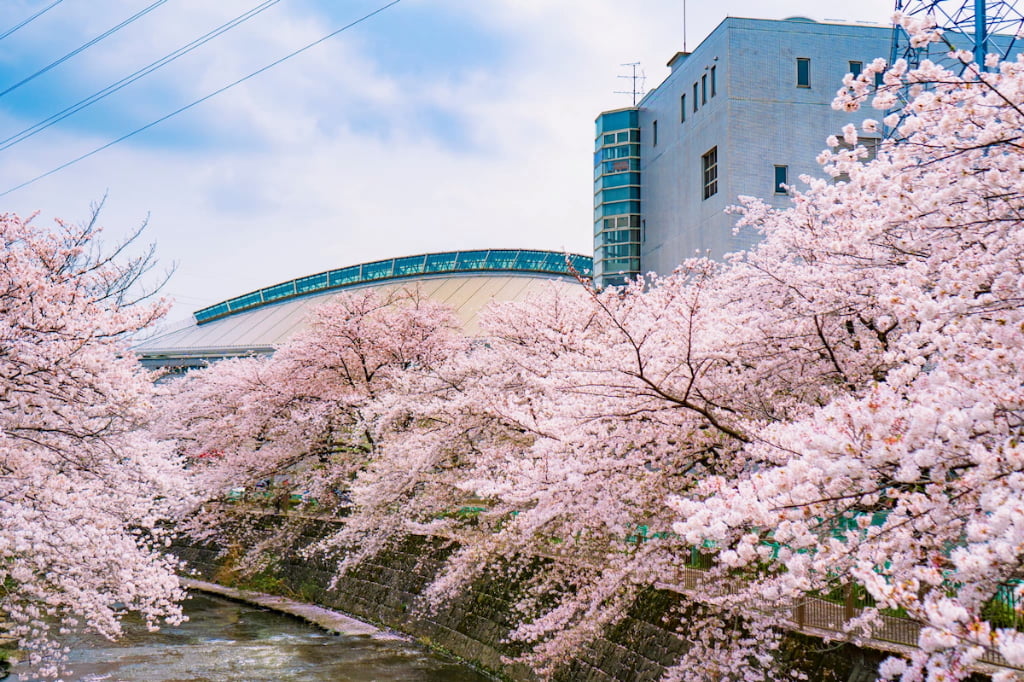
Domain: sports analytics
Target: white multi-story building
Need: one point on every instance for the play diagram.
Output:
(745, 113)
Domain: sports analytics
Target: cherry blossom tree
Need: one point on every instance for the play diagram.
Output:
(83, 490)
(319, 412)
(909, 482)
(837, 410)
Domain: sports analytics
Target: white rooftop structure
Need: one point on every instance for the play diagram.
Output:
(257, 322)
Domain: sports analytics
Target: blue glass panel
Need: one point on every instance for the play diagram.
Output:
(311, 283)
(440, 262)
(617, 120)
(618, 251)
(502, 260)
(619, 152)
(278, 291)
(344, 276)
(555, 262)
(246, 301)
(619, 180)
(471, 260)
(618, 237)
(621, 264)
(412, 265)
(621, 165)
(378, 270)
(620, 194)
(619, 208)
(582, 264)
(531, 260)
(615, 280)
(211, 312)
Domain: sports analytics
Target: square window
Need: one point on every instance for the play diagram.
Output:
(856, 68)
(709, 171)
(870, 144)
(781, 179)
(682, 108)
(803, 72)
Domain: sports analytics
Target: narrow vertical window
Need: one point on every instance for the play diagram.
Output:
(781, 179)
(654, 134)
(682, 108)
(704, 89)
(714, 85)
(709, 172)
(695, 97)
(803, 72)
(856, 68)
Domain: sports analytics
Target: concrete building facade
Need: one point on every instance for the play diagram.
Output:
(745, 113)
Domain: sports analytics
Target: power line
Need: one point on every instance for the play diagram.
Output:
(53, 119)
(204, 98)
(30, 19)
(85, 46)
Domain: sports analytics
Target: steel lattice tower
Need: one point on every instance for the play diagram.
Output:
(979, 26)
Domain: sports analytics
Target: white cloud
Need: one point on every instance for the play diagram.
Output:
(332, 159)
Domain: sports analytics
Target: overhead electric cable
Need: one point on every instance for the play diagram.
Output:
(204, 98)
(84, 46)
(30, 19)
(131, 78)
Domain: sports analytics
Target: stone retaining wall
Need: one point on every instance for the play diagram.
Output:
(385, 589)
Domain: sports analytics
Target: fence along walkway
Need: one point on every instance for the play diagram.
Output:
(826, 619)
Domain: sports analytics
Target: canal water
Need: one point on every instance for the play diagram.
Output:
(225, 641)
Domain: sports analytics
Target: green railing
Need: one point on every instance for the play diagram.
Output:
(450, 262)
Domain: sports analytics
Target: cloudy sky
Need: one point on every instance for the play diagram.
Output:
(434, 125)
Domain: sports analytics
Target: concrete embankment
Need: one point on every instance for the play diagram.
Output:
(386, 590)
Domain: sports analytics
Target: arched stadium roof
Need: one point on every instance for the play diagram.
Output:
(259, 321)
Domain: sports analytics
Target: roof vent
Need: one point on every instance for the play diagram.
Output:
(806, 20)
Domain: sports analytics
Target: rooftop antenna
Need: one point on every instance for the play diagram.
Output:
(638, 78)
(684, 26)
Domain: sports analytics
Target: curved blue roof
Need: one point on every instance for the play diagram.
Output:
(448, 262)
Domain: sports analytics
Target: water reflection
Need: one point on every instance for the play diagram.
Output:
(224, 640)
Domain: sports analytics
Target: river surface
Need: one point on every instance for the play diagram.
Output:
(225, 641)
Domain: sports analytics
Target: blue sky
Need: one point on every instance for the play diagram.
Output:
(436, 125)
